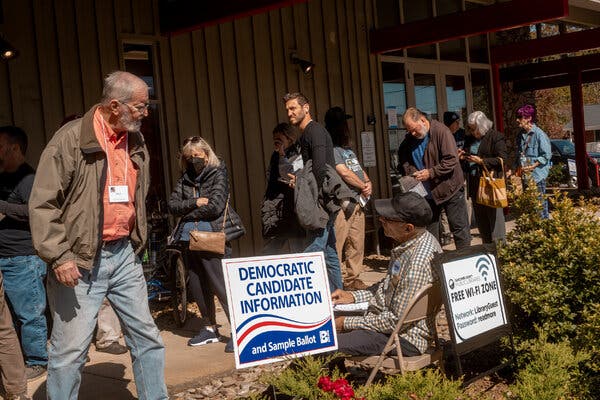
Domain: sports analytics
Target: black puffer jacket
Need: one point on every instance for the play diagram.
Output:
(213, 184)
(277, 210)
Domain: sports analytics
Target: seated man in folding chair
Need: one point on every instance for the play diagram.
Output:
(404, 219)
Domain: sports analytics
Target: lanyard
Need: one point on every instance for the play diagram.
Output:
(107, 158)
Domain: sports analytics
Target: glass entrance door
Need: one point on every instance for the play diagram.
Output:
(431, 87)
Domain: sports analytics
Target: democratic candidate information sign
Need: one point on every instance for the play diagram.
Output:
(279, 306)
(474, 296)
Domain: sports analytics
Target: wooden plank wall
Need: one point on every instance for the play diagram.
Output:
(228, 81)
(224, 82)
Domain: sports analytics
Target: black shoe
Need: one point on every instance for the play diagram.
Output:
(229, 346)
(113, 348)
(33, 372)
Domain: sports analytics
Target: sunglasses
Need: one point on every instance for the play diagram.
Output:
(192, 139)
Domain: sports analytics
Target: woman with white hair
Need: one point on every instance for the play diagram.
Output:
(484, 146)
(200, 198)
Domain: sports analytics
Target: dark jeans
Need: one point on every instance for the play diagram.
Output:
(458, 219)
(206, 280)
(362, 342)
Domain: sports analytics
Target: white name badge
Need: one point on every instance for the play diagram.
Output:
(118, 194)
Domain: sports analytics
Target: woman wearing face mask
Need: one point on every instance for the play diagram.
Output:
(199, 198)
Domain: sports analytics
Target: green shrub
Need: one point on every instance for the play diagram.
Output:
(550, 371)
(428, 385)
(552, 275)
(300, 379)
(558, 175)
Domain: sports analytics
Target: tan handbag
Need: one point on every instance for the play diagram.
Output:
(212, 242)
(492, 191)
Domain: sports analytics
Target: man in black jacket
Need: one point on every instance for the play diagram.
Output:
(23, 270)
(317, 146)
(429, 154)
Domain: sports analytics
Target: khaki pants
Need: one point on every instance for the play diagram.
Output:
(11, 358)
(350, 243)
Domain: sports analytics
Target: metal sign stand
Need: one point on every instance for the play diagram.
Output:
(471, 279)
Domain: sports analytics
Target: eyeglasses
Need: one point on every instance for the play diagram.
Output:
(139, 108)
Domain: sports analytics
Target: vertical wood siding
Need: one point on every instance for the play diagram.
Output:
(224, 82)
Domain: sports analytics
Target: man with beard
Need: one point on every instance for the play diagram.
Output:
(316, 145)
(88, 219)
(429, 154)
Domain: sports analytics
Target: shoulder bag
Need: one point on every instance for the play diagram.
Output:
(492, 191)
(212, 242)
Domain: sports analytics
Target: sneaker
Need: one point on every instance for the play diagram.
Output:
(33, 372)
(113, 348)
(204, 337)
(229, 346)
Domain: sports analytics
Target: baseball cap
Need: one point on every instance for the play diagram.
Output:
(336, 116)
(409, 207)
(450, 117)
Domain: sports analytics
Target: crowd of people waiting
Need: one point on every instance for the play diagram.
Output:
(72, 232)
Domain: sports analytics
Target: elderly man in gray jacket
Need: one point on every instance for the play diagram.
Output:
(429, 154)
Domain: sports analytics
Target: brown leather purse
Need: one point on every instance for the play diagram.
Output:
(212, 242)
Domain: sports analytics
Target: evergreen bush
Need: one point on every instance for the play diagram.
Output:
(421, 385)
(550, 371)
(552, 275)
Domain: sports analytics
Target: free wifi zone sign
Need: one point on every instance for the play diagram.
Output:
(474, 295)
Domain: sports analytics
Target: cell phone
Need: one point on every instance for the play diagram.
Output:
(284, 180)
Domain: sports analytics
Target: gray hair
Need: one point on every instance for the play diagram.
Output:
(482, 122)
(120, 85)
(197, 143)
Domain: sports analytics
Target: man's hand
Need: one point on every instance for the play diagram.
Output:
(68, 273)
(201, 201)
(339, 323)
(367, 189)
(340, 296)
(422, 175)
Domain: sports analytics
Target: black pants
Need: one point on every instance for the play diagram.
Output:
(205, 281)
(362, 342)
(458, 219)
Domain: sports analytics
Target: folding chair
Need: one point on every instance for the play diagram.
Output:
(425, 303)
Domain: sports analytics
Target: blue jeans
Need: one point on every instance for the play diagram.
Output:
(24, 287)
(116, 275)
(324, 240)
(541, 186)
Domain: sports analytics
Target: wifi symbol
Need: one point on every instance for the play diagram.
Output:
(483, 266)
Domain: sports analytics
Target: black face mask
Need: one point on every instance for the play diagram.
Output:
(195, 166)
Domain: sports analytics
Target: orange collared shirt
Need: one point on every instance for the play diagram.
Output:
(118, 217)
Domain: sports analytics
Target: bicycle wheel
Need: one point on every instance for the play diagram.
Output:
(179, 290)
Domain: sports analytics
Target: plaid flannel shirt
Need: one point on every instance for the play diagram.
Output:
(410, 270)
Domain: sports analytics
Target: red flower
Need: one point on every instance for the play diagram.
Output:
(325, 384)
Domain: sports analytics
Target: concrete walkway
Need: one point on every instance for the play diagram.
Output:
(108, 376)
